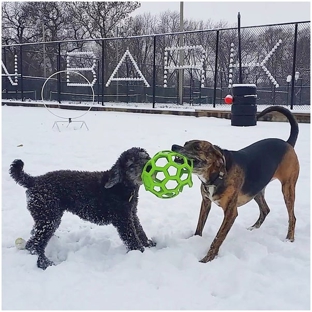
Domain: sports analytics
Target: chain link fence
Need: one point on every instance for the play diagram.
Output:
(197, 68)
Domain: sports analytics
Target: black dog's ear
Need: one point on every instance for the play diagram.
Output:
(114, 178)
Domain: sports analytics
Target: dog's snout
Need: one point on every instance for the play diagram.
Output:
(176, 148)
(145, 156)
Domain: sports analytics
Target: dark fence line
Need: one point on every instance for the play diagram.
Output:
(146, 69)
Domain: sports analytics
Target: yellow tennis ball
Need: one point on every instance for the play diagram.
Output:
(20, 243)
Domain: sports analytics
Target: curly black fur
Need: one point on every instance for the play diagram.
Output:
(108, 197)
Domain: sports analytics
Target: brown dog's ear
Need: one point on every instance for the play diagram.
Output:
(220, 160)
(114, 178)
(216, 151)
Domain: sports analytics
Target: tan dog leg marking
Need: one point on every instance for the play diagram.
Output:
(287, 172)
(228, 220)
(288, 190)
(204, 211)
(230, 214)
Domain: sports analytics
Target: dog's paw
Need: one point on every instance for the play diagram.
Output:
(43, 262)
(210, 256)
(251, 228)
(140, 248)
(289, 240)
(150, 243)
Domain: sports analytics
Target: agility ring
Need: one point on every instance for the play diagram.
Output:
(70, 120)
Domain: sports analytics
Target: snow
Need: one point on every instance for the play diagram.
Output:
(254, 270)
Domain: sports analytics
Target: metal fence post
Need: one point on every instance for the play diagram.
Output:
(59, 74)
(154, 73)
(239, 48)
(21, 71)
(216, 71)
(16, 88)
(98, 82)
(292, 96)
(5, 81)
(103, 50)
(127, 82)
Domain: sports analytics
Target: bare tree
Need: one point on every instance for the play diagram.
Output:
(17, 27)
(100, 18)
(21, 23)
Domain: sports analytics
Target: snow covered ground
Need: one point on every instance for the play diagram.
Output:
(254, 270)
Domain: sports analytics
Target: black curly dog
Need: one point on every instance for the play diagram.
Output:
(108, 197)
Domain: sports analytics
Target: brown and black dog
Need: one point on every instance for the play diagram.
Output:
(232, 178)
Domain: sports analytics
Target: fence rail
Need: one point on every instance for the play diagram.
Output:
(146, 69)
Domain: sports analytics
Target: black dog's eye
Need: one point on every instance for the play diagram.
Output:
(131, 167)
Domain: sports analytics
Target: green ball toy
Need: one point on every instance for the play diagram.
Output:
(166, 178)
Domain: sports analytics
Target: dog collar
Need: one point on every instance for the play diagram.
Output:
(216, 179)
(211, 185)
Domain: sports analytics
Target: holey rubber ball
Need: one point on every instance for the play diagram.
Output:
(166, 174)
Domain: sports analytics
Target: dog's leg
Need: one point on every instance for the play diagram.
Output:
(128, 234)
(140, 232)
(46, 223)
(43, 231)
(264, 210)
(230, 214)
(204, 211)
(287, 173)
(288, 190)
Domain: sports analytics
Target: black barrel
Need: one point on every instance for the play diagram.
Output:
(244, 107)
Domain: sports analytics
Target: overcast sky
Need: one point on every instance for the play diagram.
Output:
(252, 13)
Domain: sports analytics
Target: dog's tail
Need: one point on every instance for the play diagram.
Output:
(294, 129)
(17, 173)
